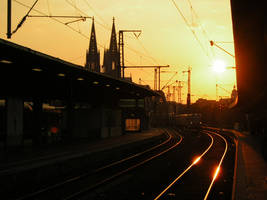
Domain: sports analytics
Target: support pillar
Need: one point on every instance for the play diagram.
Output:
(37, 121)
(14, 109)
(68, 135)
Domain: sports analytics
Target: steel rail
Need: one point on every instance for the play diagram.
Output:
(219, 166)
(135, 155)
(86, 190)
(186, 170)
(12, 165)
(47, 189)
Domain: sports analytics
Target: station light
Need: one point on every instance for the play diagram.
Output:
(95, 82)
(37, 69)
(107, 85)
(117, 88)
(6, 61)
(80, 79)
(61, 74)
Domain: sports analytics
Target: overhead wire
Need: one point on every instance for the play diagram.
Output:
(99, 16)
(148, 55)
(106, 27)
(78, 24)
(137, 52)
(141, 44)
(205, 34)
(189, 26)
(169, 81)
(79, 10)
(42, 13)
(48, 7)
(55, 19)
(78, 31)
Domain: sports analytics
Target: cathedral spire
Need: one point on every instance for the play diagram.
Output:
(92, 54)
(113, 40)
(111, 62)
(92, 44)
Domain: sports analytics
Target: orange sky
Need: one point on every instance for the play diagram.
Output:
(165, 36)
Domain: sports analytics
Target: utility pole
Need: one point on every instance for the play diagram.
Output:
(9, 33)
(169, 93)
(121, 47)
(173, 94)
(188, 100)
(9, 8)
(155, 79)
(8, 19)
(156, 73)
(159, 78)
(217, 92)
(180, 92)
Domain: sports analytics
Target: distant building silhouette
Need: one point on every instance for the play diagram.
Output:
(111, 64)
(92, 54)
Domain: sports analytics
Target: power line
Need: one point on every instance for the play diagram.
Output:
(77, 31)
(79, 10)
(95, 12)
(106, 27)
(194, 12)
(156, 62)
(45, 15)
(138, 52)
(187, 23)
(48, 7)
(55, 19)
(200, 24)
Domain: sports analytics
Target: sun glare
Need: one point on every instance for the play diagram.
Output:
(218, 66)
(196, 160)
(216, 172)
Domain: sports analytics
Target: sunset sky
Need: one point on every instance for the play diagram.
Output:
(166, 38)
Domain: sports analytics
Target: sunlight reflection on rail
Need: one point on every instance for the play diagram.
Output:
(188, 168)
(218, 168)
(216, 172)
(196, 160)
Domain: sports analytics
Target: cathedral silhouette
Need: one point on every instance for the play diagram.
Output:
(111, 62)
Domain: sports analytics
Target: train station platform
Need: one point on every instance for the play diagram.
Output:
(27, 154)
(250, 181)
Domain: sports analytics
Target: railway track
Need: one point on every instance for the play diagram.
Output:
(78, 186)
(148, 174)
(192, 170)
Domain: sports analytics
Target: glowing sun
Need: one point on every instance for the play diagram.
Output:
(218, 66)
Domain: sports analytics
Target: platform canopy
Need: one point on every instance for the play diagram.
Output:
(30, 74)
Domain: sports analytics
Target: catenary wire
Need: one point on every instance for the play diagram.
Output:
(187, 23)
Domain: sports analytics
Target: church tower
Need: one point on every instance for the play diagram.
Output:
(92, 54)
(111, 62)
